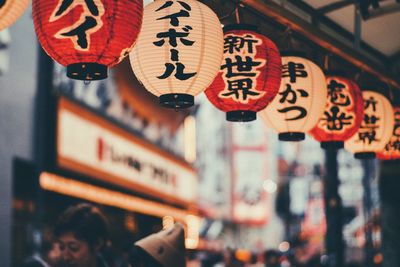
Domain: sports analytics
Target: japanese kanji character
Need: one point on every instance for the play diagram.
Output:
(294, 70)
(337, 94)
(396, 144)
(243, 68)
(89, 22)
(174, 18)
(80, 32)
(368, 129)
(368, 136)
(290, 95)
(241, 90)
(236, 43)
(336, 120)
(172, 35)
(302, 112)
(179, 74)
(369, 102)
(370, 120)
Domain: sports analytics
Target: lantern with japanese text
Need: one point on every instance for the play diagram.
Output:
(301, 99)
(250, 74)
(10, 11)
(343, 113)
(392, 148)
(87, 36)
(376, 128)
(179, 51)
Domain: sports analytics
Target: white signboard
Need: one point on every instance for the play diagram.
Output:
(251, 203)
(100, 149)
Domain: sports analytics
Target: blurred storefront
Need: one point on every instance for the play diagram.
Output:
(98, 145)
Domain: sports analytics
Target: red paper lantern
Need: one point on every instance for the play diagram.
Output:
(87, 36)
(343, 113)
(392, 149)
(250, 74)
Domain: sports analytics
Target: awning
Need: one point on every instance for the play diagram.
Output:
(104, 196)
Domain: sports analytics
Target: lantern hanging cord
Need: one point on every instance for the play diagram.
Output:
(391, 95)
(327, 62)
(228, 15)
(357, 77)
(286, 37)
(237, 13)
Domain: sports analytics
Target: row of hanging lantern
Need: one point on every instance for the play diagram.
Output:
(178, 54)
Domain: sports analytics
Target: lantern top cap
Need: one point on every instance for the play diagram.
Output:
(241, 26)
(293, 53)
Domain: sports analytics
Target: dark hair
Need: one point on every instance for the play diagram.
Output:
(139, 257)
(86, 222)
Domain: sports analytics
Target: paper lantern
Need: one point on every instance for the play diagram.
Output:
(179, 51)
(10, 11)
(344, 112)
(250, 74)
(300, 101)
(376, 128)
(87, 36)
(392, 148)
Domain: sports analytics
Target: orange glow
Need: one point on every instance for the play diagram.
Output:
(190, 139)
(61, 185)
(192, 232)
(378, 258)
(243, 255)
(168, 222)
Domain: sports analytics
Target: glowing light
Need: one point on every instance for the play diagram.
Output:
(193, 232)
(168, 222)
(243, 255)
(270, 186)
(190, 139)
(61, 185)
(284, 246)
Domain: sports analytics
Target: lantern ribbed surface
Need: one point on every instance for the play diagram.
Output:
(99, 31)
(10, 11)
(376, 128)
(301, 99)
(250, 74)
(392, 148)
(184, 65)
(343, 113)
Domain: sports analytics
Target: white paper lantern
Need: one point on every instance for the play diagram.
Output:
(179, 50)
(301, 99)
(10, 11)
(376, 129)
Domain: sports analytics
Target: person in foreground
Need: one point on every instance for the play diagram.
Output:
(82, 233)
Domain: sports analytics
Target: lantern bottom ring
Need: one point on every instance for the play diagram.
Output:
(332, 144)
(241, 116)
(365, 155)
(87, 71)
(177, 101)
(292, 136)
